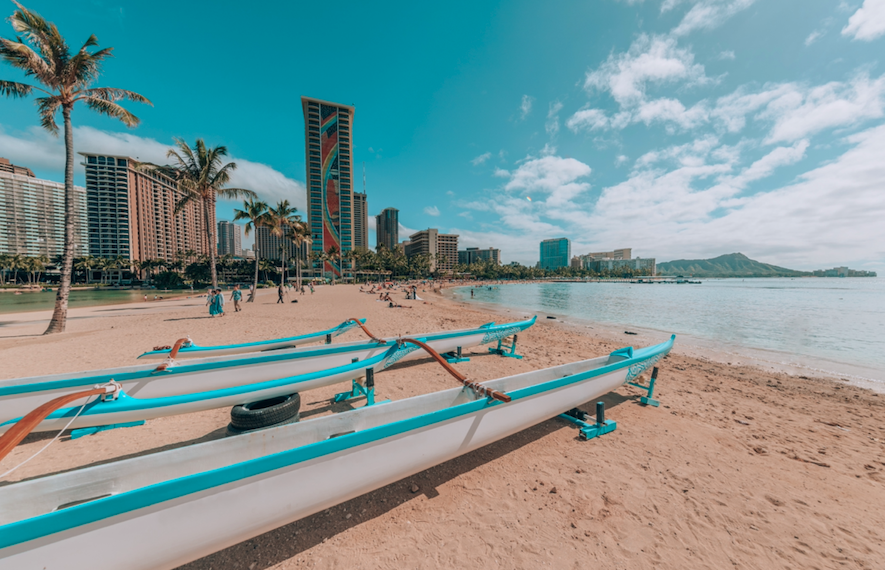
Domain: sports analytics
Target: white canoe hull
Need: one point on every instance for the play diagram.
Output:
(173, 532)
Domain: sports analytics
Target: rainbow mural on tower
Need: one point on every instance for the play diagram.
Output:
(331, 184)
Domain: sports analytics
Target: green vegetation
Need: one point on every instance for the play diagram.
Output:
(730, 265)
(65, 79)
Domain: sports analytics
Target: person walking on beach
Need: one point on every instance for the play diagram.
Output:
(251, 293)
(235, 297)
(280, 293)
(210, 302)
(311, 288)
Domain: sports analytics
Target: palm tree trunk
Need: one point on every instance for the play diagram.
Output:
(255, 281)
(211, 234)
(60, 313)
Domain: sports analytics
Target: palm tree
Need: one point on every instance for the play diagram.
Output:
(199, 175)
(278, 220)
(42, 53)
(299, 234)
(254, 211)
(86, 265)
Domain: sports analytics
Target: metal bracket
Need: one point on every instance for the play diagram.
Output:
(508, 350)
(590, 430)
(455, 356)
(647, 399)
(357, 390)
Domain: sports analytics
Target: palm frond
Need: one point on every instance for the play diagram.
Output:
(222, 175)
(14, 89)
(42, 34)
(112, 110)
(20, 55)
(229, 193)
(84, 67)
(112, 94)
(182, 204)
(47, 107)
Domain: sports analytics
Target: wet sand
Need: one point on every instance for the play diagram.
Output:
(739, 467)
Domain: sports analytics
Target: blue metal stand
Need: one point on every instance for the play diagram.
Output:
(455, 357)
(588, 430)
(80, 432)
(508, 350)
(647, 399)
(358, 390)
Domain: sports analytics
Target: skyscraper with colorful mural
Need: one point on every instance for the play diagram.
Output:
(329, 163)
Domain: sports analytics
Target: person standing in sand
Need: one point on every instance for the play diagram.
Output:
(280, 293)
(218, 303)
(235, 296)
(210, 302)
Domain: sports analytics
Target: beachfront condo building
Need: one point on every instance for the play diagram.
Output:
(581, 261)
(387, 228)
(442, 248)
(131, 213)
(32, 214)
(328, 139)
(230, 239)
(360, 221)
(474, 255)
(644, 267)
(269, 246)
(555, 253)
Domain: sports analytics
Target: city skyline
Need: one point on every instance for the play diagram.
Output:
(667, 114)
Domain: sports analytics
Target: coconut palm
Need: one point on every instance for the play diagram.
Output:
(255, 212)
(86, 265)
(278, 221)
(200, 176)
(66, 79)
(299, 234)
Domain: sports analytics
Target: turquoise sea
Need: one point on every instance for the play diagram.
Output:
(45, 300)
(824, 324)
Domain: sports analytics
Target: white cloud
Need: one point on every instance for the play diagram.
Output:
(552, 124)
(431, 211)
(404, 232)
(588, 119)
(552, 175)
(671, 111)
(650, 59)
(38, 149)
(728, 54)
(708, 14)
(621, 160)
(813, 37)
(481, 158)
(525, 107)
(548, 150)
(868, 23)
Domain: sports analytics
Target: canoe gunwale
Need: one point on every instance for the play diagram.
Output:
(33, 528)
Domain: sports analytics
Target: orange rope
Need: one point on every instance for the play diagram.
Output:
(172, 354)
(365, 330)
(26, 425)
(478, 388)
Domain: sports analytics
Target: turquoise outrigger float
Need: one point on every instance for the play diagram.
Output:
(189, 349)
(137, 393)
(165, 509)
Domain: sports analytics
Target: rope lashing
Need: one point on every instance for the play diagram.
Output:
(172, 354)
(478, 388)
(26, 425)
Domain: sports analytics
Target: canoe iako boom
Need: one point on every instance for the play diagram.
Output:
(149, 391)
(189, 349)
(168, 508)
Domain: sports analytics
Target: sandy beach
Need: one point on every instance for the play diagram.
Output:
(739, 468)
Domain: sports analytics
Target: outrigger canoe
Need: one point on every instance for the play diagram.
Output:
(189, 349)
(147, 391)
(169, 508)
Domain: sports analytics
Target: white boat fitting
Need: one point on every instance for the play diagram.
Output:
(189, 349)
(149, 391)
(169, 508)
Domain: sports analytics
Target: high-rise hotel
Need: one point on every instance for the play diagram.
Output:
(131, 213)
(329, 162)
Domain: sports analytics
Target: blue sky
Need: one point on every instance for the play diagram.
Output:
(680, 128)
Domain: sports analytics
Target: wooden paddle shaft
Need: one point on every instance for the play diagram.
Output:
(365, 330)
(478, 388)
(24, 426)
(172, 354)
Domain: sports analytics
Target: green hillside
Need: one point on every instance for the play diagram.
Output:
(730, 265)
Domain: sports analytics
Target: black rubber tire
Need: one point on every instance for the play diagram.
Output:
(265, 413)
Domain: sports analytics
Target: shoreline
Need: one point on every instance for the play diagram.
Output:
(737, 464)
(719, 351)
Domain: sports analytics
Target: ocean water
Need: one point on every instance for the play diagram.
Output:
(45, 300)
(828, 325)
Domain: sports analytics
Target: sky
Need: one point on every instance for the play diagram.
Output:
(683, 129)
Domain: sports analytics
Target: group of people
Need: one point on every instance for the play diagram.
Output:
(215, 300)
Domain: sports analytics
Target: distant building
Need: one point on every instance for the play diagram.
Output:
(230, 239)
(443, 248)
(360, 221)
(474, 254)
(6, 166)
(328, 159)
(640, 266)
(269, 246)
(579, 261)
(131, 213)
(32, 214)
(555, 253)
(387, 228)
(406, 247)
